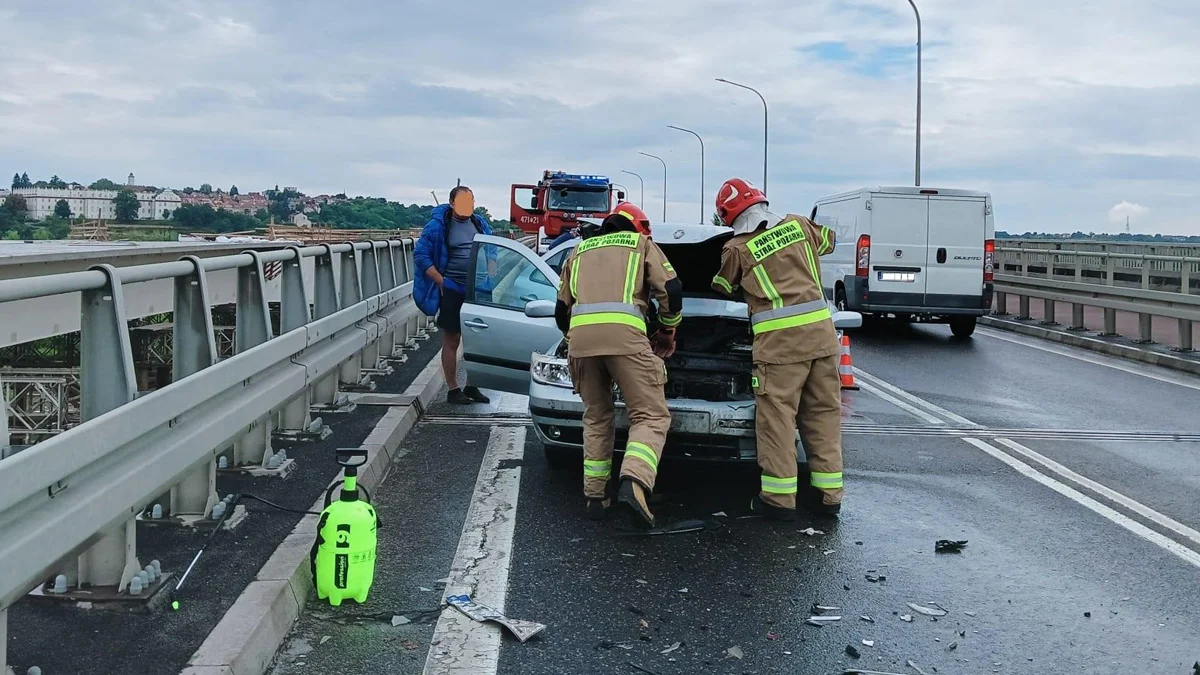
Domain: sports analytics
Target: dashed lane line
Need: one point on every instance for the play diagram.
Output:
(480, 569)
(1025, 469)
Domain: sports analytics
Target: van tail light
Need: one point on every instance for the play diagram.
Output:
(862, 257)
(989, 261)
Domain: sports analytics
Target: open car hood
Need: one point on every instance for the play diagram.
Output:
(695, 253)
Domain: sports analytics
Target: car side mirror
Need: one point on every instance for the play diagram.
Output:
(844, 320)
(539, 309)
(620, 195)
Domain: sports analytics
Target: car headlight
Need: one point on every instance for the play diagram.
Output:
(551, 371)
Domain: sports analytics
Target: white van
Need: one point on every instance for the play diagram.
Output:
(916, 254)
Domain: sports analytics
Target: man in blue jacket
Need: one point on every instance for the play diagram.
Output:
(443, 260)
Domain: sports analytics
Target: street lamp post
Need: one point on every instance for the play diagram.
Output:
(642, 201)
(664, 163)
(672, 126)
(917, 169)
(765, 126)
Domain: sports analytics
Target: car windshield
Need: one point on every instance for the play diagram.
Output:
(587, 200)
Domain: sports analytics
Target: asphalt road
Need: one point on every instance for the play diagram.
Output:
(1072, 476)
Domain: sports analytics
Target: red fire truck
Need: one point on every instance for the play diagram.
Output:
(560, 200)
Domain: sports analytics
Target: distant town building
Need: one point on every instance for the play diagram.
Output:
(248, 204)
(301, 220)
(153, 204)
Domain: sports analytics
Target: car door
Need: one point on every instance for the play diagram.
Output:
(899, 242)
(557, 256)
(498, 336)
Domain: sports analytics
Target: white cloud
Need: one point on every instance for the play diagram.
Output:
(1059, 109)
(1135, 213)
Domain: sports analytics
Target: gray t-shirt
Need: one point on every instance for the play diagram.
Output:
(462, 232)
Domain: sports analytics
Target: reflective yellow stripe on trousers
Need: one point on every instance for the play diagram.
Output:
(827, 481)
(642, 452)
(597, 468)
(790, 317)
(779, 486)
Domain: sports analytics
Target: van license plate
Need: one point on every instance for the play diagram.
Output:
(907, 277)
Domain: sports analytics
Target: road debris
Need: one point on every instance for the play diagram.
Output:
(735, 652)
(866, 618)
(409, 645)
(773, 636)
(1196, 668)
(949, 546)
(424, 590)
(672, 648)
(822, 609)
(609, 644)
(641, 581)
(644, 623)
(1087, 615)
(831, 550)
(952, 647)
(628, 555)
(927, 611)
(969, 613)
(906, 618)
(855, 671)
(400, 620)
(324, 639)
(875, 578)
(821, 620)
(868, 643)
(683, 590)
(852, 652)
(522, 630)
(811, 532)
(642, 669)
(720, 514)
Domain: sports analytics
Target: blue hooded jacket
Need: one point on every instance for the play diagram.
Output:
(433, 250)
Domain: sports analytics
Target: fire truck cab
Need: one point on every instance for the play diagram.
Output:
(560, 200)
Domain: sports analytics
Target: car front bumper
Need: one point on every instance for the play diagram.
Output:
(700, 430)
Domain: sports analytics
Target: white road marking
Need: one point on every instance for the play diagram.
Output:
(957, 419)
(1108, 493)
(1074, 495)
(481, 565)
(1147, 370)
(1170, 545)
(898, 403)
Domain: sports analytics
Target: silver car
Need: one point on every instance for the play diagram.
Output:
(512, 344)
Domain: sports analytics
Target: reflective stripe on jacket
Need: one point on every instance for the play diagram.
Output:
(607, 284)
(779, 275)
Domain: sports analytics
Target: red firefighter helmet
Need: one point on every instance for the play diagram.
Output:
(734, 197)
(641, 222)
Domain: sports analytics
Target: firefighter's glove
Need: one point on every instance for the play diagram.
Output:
(663, 343)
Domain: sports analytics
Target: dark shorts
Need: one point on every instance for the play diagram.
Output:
(449, 316)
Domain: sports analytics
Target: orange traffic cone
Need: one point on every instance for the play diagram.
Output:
(846, 365)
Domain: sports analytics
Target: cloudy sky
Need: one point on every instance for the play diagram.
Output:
(1073, 114)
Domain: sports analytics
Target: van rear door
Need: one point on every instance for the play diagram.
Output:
(954, 262)
(899, 237)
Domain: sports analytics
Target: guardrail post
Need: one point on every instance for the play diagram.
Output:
(1185, 336)
(1145, 329)
(252, 328)
(1110, 268)
(1077, 321)
(387, 279)
(295, 421)
(4, 433)
(193, 348)
(1023, 307)
(1145, 273)
(106, 382)
(325, 302)
(351, 294)
(1110, 322)
(1185, 279)
(1001, 303)
(369, 357)
(410, 274)
(1048, 313)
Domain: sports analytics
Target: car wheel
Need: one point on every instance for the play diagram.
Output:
(562, 459)
(962, 327)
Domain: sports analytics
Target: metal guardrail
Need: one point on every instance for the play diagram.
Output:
(1177, 270)
(79, 492)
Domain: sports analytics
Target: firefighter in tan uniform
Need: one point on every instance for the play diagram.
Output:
(772, 263)
(603, 302)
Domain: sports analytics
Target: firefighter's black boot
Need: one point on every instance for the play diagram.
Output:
(634, 498)
(597, 508)
(814, 501)
(770, 511)
(475, 395)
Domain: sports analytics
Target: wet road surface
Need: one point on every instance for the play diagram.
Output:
(1083, 552)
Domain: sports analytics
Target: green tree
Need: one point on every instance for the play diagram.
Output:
(233, 191)
(16, 181)
(16, 207)
(25, 182)
(57, 227)
(56, 182)
(125, 206)
(204, 218)
(104, 184)
(166, 214)
(262, 215)
(188, 190)
(62, 209)
(205, 189)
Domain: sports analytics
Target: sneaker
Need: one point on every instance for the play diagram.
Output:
(597, 508)
(770, 511)
(475, 395)
(457, 397)
(633, 498)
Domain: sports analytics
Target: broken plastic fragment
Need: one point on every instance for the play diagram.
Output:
(400, 620)
(952, 647)
(927, 611)
(821, 619)
(523, 630)
(641, 581)
(906, 617)
(735, 652)
(917, 668)
(672, 648)
(683, 590)
(721, 514)
(949, 546)
(868, 643)
(866, 618)
(425, 590)
(852, 652)
(811, 532)
(325, 638)
(832, 550)
(821, 609)
(875, 578)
